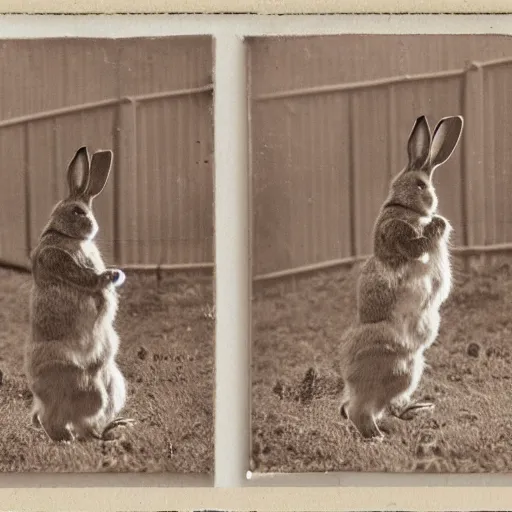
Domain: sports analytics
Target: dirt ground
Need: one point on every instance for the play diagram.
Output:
(297, 426)
(167, 356)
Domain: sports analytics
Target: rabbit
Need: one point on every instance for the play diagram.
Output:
(70, 356)
(400, 288)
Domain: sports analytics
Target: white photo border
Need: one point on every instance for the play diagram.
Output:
(232, 219)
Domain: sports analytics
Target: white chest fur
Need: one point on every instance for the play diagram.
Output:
(92, 252)
(427, 219)
(414, 295)
(425, 257)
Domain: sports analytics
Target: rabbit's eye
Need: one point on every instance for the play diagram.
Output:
(421, 185)
(78, 211)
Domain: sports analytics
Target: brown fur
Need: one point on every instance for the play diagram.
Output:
(70, 355)
(400, 288)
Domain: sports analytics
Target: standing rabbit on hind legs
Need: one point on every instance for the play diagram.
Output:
(401, 288)
(70, 364)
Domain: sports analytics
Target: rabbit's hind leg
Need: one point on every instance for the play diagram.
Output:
(87, 428)
(363, 416)
(116, 390)
(55, 400)
(363, 407)
(87, 405)
(375, 383)
(345, 400)
(402, 406)
(36, 411)
(55, 424)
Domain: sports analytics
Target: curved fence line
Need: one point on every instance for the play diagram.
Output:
(112, 102)
(380, 82)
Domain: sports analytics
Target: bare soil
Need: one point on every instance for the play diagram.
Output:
(296, 421)
(166, 328)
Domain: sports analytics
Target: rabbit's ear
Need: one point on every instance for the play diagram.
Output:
(418, 146)
(445, 139)
(78, 173)
(101, 164)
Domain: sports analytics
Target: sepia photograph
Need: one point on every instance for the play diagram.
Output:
(381, 253)
(106, 255)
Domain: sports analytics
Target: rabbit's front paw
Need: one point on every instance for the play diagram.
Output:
(115, 276)
(436, 228)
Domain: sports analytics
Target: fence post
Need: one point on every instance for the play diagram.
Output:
(472, 156)
(28, 213)
(125, 213)
(352, 159)
(134, 154)
(116, 139)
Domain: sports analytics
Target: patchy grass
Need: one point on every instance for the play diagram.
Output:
(166, 354)
(297, 426)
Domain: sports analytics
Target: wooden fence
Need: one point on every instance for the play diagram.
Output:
(322, 158)
(147, 99)
(157, 209)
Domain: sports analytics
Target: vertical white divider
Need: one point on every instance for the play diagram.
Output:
(232, 391)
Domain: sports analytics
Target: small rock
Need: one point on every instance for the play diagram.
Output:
(278, 389)
(142, 353)
(473, 350)
(279, 431)
(127, 446)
